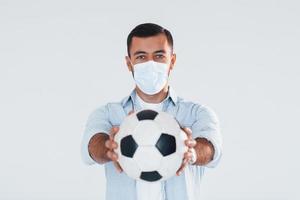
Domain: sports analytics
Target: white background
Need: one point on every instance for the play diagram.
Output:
(59, 60)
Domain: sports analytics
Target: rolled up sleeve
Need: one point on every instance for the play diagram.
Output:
(97, 122)
(206, 126)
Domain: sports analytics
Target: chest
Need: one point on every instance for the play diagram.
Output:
(117, 113)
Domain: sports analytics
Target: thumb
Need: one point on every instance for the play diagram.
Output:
(130, 112)
(113, 132)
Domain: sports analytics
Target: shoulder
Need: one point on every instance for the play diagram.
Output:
(106, 108)
(114, 112)
(110, 106)
(194, 111)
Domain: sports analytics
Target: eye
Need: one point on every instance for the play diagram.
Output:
(159, 56)
(141, 57)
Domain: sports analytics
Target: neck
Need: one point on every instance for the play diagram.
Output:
(155, 98)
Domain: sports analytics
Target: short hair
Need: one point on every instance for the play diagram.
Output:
(148, 30)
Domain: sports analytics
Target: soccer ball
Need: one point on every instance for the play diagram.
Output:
(150, 145)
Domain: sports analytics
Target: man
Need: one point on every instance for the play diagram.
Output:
(150, 60)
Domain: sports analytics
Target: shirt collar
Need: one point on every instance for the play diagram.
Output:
(171, 94)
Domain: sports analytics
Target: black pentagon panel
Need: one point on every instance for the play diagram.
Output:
(150, 176)
(128, 146)
(146, 114)
(166, 144)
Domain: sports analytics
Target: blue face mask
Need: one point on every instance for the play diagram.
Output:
(151, 77)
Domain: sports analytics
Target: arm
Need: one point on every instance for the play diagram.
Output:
(97, 149)
(204, 150)
(204, 138)
(102, 148)
(98, 143)
(97, 129)
(202, 147)
(206, 132)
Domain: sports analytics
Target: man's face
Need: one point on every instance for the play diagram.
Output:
(155, 48)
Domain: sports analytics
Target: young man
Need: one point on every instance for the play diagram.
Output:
(150, 60)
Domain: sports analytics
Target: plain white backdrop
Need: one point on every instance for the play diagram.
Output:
(61, 59)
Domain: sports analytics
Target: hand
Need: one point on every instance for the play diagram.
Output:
(190, 143)
(112, 146)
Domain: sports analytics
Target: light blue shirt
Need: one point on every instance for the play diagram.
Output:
(199, 118)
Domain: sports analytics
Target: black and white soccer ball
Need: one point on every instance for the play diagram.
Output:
(150, 145)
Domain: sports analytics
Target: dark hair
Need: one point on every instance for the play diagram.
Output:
(148, 30)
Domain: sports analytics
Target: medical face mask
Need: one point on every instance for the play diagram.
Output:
(150, 76)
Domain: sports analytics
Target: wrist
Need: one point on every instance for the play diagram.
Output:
(204, 151)
(97, 149)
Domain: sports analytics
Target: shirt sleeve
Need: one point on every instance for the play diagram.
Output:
(206, 126)
(97, 122)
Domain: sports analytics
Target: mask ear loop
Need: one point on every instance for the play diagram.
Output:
(132, 106)
(132, 69)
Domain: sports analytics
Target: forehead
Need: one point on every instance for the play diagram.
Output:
(149, 44)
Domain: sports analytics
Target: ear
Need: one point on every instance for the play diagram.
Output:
(173, 60)
(128, 63)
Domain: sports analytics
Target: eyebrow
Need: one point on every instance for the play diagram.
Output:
(139, 52)
(160, 51)
(143, 52)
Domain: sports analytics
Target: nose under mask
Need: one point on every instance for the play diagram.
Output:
(150, 76)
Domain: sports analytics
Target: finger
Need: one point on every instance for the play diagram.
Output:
(190, 142)
(107, 144)
(131, 112)
(114, 145)
(114, 130)
(111, 132)
(184, 164)
(112, 155)
(188, 155)
(118, 167)
(179, 170)
(108, 154)
(110, 144)
(187, 131)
